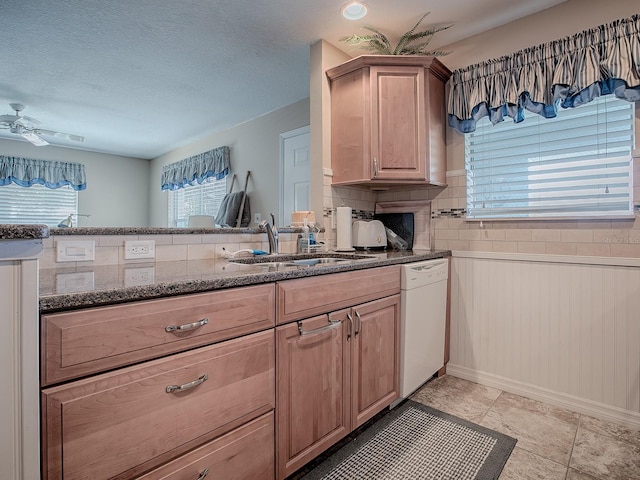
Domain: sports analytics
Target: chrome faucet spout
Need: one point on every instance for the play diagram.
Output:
(272, 235)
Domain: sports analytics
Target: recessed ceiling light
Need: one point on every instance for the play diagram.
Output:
(354, 10)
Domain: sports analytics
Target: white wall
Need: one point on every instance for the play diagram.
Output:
(117, 187)
(560, 329)
(255, 146)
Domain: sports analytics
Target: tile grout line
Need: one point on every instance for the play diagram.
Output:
(573, 444)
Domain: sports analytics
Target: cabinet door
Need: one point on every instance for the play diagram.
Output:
(312, 388)
(398, 136)
(375, 359)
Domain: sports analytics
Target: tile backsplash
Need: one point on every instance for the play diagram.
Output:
(600, 238)
(109, 249)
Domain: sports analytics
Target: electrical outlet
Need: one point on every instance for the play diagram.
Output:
(139, 249)
(138, 276)
(257, 218)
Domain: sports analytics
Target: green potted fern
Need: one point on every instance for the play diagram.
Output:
(411, 42)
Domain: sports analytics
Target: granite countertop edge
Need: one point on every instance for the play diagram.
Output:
(23, 232)
(69, 301)
(165, 230)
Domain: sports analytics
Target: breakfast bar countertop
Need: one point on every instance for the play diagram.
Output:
(89, 286)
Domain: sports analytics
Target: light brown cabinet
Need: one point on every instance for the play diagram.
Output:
(149, 390)
(375, 358)
(92, 340)
(388, 121)
(119, 424)
(188, 407)
(313, 389)
(335, 370)
(243, 454)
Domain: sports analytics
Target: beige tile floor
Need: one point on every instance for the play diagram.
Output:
(553, 444)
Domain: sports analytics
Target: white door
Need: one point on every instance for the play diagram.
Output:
(294, 173)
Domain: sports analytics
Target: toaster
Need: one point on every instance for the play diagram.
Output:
(368, 234)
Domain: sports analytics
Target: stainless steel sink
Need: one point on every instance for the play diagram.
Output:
(315, 261)
(302, 260)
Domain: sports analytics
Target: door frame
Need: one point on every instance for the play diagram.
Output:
(284, 136)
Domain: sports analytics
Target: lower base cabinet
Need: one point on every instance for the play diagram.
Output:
(246, 453)
(335, 372)
(122, 424)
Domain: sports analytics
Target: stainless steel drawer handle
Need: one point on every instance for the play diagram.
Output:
(188, 326)
(359, 324)
(204, 473)
(375, 167)
(350, 318)
(332, 325)
(186, 386)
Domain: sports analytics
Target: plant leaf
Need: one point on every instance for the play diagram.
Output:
(407, 35)
(379, 42)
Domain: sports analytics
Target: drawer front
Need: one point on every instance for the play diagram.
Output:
(88, 341)
(305, 297)
(120, 424)
(244, 453)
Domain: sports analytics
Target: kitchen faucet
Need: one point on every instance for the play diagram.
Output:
(272, 234)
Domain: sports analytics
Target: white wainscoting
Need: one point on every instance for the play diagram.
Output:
(565, 330)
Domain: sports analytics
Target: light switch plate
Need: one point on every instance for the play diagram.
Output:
(75, 250)
(74, 282)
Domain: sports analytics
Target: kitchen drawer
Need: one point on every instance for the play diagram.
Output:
(245, 453)
(305, 297)
(123, 423)
(88, 341)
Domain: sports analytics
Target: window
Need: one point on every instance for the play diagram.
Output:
(36, 204)
(202, 199)
(576, 164)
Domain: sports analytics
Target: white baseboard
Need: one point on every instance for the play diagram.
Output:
(568, 402)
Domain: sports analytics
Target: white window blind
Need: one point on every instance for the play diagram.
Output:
(203, 199)
(36, 204)
(577, 164)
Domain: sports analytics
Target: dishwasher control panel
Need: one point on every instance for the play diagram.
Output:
(424, 273)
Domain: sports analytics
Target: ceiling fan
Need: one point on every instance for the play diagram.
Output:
(25, 127)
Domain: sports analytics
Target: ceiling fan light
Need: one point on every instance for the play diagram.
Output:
(354, 10)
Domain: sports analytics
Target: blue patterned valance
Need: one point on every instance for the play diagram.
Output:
(27, 171)
(195, 169)
(571, 71)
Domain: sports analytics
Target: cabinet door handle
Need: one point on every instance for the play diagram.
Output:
(204, 473)
(359, 324)
(332, 325)
(186, 386)
(185, 327)
(350, 318)
(375, 167)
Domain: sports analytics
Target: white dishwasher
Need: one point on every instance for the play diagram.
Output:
(423, 318)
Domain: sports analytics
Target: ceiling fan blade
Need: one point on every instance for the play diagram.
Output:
(68, 136)
(30, 120)
(8, 118)
(34, 138)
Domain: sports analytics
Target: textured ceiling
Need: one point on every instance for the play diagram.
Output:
(142, 77)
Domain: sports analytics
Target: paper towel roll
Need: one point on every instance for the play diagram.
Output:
(343, 227)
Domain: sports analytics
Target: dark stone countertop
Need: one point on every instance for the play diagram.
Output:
(163, 230)
(23, 232)
(79, 287)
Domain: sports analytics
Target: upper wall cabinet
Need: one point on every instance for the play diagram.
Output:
(388, 121)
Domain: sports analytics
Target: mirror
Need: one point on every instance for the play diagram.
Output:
(125, 191)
